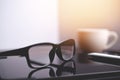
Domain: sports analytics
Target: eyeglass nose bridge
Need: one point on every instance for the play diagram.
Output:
(59, 53)
(52, 53)
(55, 50)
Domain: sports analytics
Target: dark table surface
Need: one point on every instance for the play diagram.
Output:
(16, 68)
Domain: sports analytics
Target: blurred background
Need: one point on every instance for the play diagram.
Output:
(25, 22)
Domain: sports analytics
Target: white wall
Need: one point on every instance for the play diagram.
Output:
(25, 22)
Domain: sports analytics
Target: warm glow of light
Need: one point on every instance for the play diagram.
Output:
(88, 13)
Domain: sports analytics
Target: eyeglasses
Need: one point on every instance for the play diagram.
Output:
(44, 53)
(53, 70)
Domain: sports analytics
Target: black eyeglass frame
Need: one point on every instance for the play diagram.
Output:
(55, 50)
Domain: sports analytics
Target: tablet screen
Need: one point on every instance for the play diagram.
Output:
(15, 67)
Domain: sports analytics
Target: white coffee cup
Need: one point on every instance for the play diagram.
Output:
(96, 40)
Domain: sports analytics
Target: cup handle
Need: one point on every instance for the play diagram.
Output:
(113, 41)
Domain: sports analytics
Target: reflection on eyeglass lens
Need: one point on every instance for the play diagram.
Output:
(40, 54)
(67, 51)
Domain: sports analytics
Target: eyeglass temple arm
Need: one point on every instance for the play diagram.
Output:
(17, 52)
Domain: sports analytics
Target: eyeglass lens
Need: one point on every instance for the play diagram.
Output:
(40, 54)
(67, 51)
